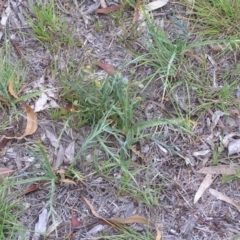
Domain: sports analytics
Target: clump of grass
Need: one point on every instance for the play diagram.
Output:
(44, 173)
(14, 73)
(92, 100)
(170, 60)
(49, 28)
(146, 193)
(10, 211)
(164, 55)
(217, 18)
(11, 79)
(8, 73)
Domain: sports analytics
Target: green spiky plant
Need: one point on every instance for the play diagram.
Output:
(49, 28)
(94, 99)
(10, 210)
(38, 152)
(217, 19)
(8, 73)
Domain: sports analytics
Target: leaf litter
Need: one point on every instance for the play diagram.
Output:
(221, 169)
(117, 222)
(206, 183)
(32, 125)
(224, 198)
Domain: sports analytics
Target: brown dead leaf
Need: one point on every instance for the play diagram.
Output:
(60, 171)
(31, 123)
(11, 89)
(66, 180)
(3, 100)
(138, 154)
(198, 58)
(32, 188)
(74, 220)
(136, 15)
(106, 67)
(63, 179)
(6, 172)
(207, 181)
(224, 198)
(31, 126)
(221, 169)
(4, 141)
(216, 47)
(129, 220)
(68, 108)
(31, 120)
(109, 9)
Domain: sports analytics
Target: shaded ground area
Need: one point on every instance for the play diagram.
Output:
(133, 113)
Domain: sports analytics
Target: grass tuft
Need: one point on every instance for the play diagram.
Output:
(10, 211)
(217, 19)
(49, 28)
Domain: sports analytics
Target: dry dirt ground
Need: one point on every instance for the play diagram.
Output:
(168, 181)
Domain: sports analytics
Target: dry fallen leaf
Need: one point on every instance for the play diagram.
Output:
(31, 123)
(32, 188)
(207, 181)
(11, 89)
(4, 141)
(201, 153)
(215, 118)
(41, 225)
(216, 47)
(44, 102)
(155, 5)
(109, 9)
(3, 100)
(74, 220)
(103, 3)
(60, 157)
(106, 67)
(234, 147)
(52, 138)
(69, 152)
(62, 172)
(6, 172)
(31, 126)
(138, 154)
(221, 169)
(229, 137)
(224, 198)
(136, 15)
(118, 221)
(66, 180)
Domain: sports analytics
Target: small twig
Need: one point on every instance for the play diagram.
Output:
(90, 10)
(17, 49)
(60, 7)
